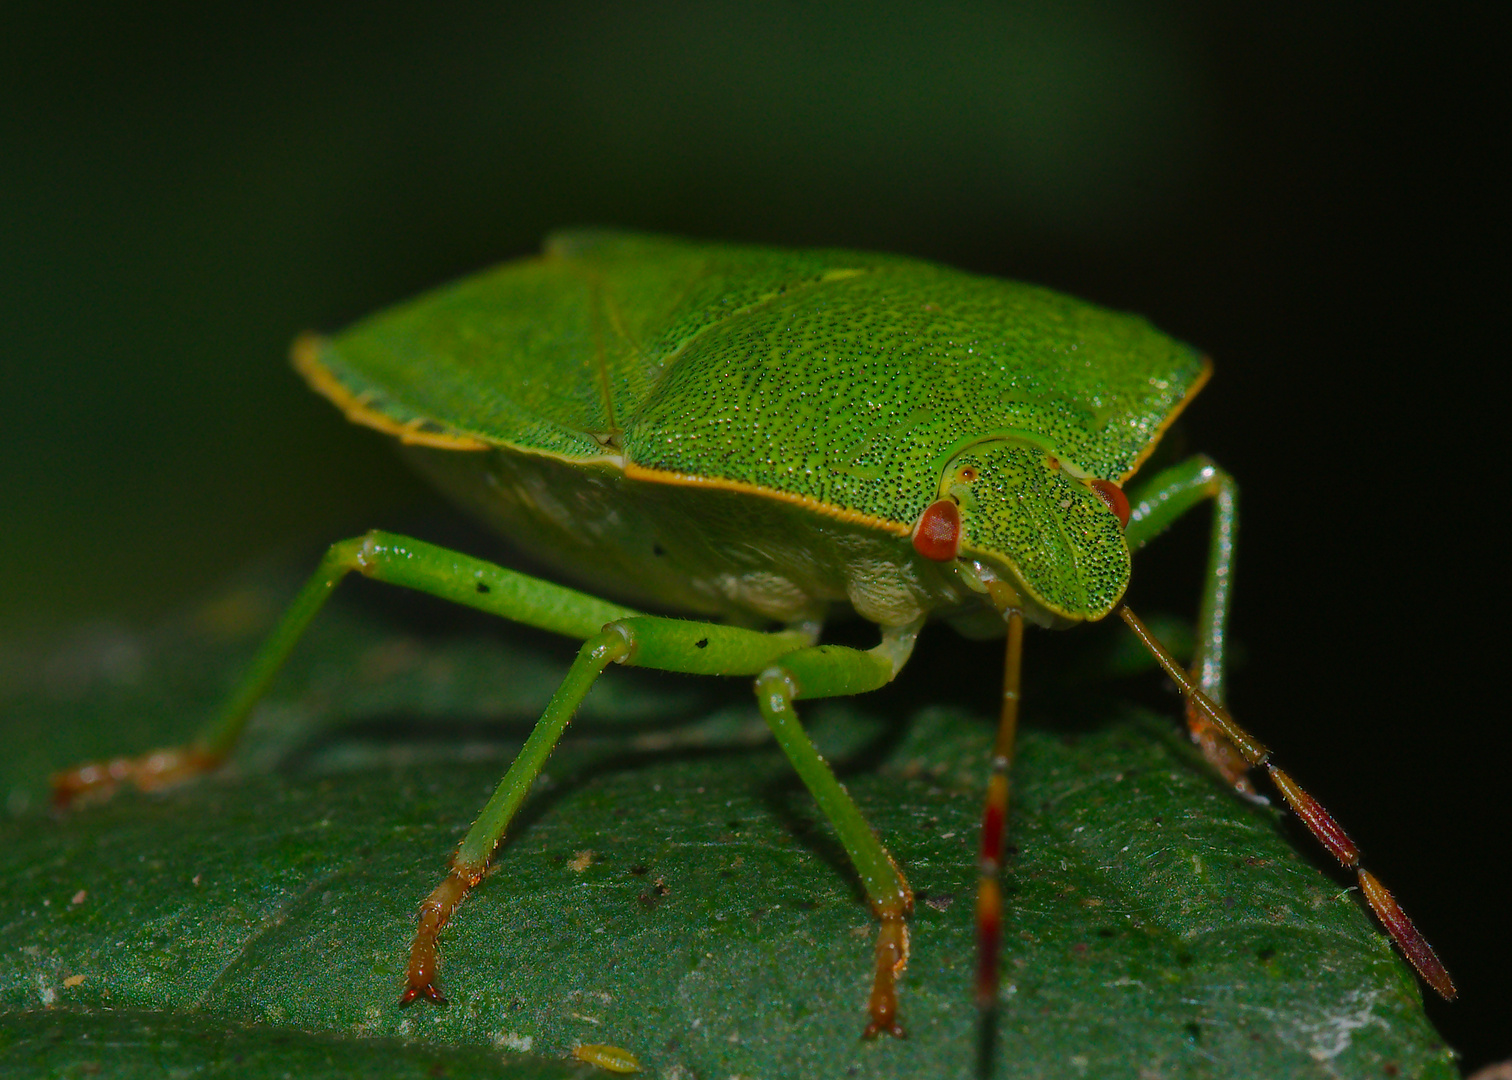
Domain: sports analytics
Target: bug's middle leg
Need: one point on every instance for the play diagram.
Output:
(787, 668)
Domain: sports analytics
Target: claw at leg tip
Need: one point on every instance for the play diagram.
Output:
(427, 991)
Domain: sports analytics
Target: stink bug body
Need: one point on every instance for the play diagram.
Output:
(757, 438)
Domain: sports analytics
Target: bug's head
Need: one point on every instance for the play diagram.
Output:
(1044, 537)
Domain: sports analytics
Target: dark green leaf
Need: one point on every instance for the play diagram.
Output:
(257, 921)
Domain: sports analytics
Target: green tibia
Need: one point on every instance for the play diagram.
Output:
(787, 670)
(1165, 499)
(788, 665)
(413, 564)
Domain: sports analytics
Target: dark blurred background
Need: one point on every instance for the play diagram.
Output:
(1303, 191)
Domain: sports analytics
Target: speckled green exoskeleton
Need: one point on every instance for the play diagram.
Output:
(758, 437)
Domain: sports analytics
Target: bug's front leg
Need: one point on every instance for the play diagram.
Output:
(784, 663)
(832, 671)
(1224, 742)
(786, 669)
(1154, 507)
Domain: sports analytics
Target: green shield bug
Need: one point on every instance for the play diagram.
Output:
(757, 437)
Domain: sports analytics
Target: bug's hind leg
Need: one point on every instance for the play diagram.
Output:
(383, 556)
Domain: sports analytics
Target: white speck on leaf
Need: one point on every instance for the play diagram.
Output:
(1333, 1032)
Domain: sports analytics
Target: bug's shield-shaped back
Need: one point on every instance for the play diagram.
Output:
(1023, 507)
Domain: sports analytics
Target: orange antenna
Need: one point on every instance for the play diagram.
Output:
(1318, 820)
(989, 912)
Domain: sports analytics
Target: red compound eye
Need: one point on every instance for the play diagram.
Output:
(1113, 495)
(937, 535)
